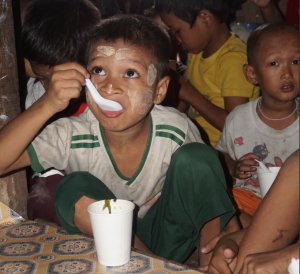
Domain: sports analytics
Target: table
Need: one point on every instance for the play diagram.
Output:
(34, 247)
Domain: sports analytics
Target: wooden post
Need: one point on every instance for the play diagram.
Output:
(13, 188)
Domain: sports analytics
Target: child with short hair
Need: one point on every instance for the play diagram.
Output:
(54, 32)
(216, 62)
(146, 153)
(266, 129)
(70, 22)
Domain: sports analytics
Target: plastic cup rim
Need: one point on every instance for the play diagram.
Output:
(112, 214)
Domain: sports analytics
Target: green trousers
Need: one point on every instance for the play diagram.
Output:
(194, 193)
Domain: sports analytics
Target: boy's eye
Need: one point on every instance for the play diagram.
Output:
(296, 62)
(98, 70)
(274, 64)
(131, 74)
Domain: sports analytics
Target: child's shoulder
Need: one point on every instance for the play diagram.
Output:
(169, 121)
(241, 112)
(169, 116)
(234, 45)
(232, 51)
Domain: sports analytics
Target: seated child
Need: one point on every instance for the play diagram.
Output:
(266, 129)
(69, 22)
(215, 67)
(146, 153)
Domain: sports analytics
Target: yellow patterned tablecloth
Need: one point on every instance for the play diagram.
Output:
(32, 247)
(9, 217)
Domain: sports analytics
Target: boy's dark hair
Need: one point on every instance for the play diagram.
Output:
(136, 30)
(188, 10)
(269, 29)
(57, 31)
(151, 13)
(108, 8)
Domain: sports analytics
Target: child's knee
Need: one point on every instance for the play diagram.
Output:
(194, 154)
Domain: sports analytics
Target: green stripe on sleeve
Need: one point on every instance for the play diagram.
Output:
(172, 128)
(35, 164)
(170, 136)
(85, 145)
(85, 137)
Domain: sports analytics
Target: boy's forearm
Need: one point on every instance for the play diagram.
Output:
(275, 224)
(17, 135)
(211, 113)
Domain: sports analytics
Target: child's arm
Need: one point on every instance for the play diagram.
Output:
(211, 113)
(275, 224)
(225, 253)
(66, 83)
(268, 10)
(271, 262)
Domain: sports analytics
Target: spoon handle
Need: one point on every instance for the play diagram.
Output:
(263, 166)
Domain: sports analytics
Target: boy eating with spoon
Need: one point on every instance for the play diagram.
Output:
(146, 153)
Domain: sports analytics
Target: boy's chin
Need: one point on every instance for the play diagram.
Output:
(119, 125)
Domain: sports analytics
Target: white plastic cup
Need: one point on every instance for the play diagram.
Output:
(112, 232)
(266, 179)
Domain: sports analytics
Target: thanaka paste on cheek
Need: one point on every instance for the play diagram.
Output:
(109, 88)
(152, 73)
(124, 53)
(106, 51)
(141, 100)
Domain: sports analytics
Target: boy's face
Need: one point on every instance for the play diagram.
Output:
(194, 39)
(126, 74)
(276, 66)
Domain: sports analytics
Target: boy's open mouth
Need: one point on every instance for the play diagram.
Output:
(287, 88)
(111, 114)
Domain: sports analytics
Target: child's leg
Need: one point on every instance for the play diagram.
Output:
(194, 201)
(73, 195)
(82, 216)
(40, 202)
(247, 202)
(208, 232)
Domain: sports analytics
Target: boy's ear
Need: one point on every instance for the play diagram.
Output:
(28, 69)
(161, 90)
(249, 73)
(206, 17)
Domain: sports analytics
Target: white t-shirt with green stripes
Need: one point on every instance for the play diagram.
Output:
(78, 144)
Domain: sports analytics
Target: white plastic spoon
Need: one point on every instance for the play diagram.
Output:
(103, 103)
(263, 166)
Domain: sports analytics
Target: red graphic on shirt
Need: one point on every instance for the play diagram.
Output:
(153, 200)
(278, 162)
(254, 182)
(239, 141)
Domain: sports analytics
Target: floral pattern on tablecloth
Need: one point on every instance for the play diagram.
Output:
(49, 250)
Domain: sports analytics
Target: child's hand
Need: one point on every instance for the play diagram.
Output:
(223, 258)
(261, 3)
(66, 83)
(245, 166)
(268, 262)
